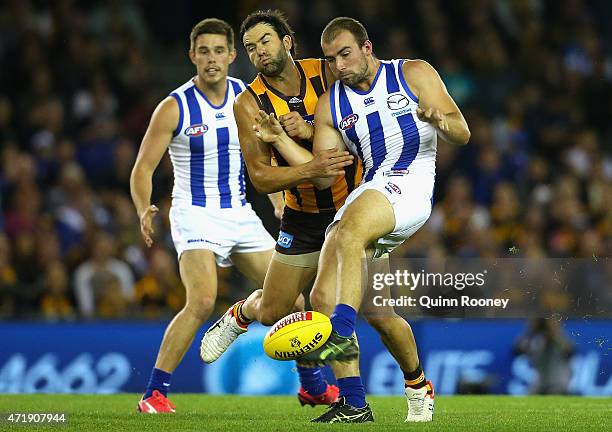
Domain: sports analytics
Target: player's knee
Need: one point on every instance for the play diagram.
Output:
(201, 308)
(347, 236)
(269, 315)
(321, 301)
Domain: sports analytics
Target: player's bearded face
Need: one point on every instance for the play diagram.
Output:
(274, 65)
(357, 74)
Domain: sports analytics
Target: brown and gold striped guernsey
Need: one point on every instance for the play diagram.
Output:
(306, 197)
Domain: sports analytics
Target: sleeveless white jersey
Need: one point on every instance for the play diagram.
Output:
(381, 127)
(205, 151)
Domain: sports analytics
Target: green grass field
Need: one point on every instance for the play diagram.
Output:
(269, 414)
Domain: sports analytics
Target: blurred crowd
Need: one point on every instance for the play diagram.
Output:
(79, 81)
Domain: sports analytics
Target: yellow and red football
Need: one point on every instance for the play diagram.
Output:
(296, 335)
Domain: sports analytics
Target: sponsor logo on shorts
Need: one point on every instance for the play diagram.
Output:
(397, 101)
(284, 240)
(200, 240)
(393, 188)
(196, 130)
(348, 121)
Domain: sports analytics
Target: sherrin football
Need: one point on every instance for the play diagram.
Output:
(297, 334)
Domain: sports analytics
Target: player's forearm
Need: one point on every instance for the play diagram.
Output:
(141, 185)
(458, 132)
(275, 178)
(291, 151)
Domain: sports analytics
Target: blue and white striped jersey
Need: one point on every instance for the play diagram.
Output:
(205, 151)
(381, 127)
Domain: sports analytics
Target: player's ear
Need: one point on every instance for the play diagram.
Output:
(287, 42)
(192, 56)
(367, 47)
(232, 55)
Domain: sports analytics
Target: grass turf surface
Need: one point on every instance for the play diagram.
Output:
(283, 413)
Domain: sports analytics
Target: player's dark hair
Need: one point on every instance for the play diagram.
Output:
(212, 26)
(275, 19)
(340, 24)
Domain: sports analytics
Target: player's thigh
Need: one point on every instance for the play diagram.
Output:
(282, 286)
(254, 265)
(366, 219)
(198, 271)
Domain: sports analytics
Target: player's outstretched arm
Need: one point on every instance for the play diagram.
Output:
(328, 163)
(258, 154)
(154, 143)
(327, 138)
(436, 106)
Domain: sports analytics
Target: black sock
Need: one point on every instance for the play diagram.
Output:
(415, 379)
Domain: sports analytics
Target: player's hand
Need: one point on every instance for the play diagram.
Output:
(433, 117)
(329, 163)
(146, 224)
(296, 127)
(267, 127)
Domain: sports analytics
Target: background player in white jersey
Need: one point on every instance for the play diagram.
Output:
(388, 114)
(210, 218)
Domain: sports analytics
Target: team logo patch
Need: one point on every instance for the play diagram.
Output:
(397, 101)
(196, 130)
(393, 188)
(348, 121)
(284, 240)
(368, 101)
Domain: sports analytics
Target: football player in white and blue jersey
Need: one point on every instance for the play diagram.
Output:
(388, 114)
(211, 221)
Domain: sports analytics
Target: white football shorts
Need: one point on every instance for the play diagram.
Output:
(411, 197)
(222, 231)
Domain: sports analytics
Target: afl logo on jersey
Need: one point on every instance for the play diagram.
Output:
(348, 121)
(196, 130)
(397, 101)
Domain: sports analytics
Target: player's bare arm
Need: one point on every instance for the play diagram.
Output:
(436, 106)
(327, 138)
(326, 164)
(257, 154)
(154, 144)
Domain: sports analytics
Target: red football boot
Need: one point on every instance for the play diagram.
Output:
(157, 403)
(328, 397)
